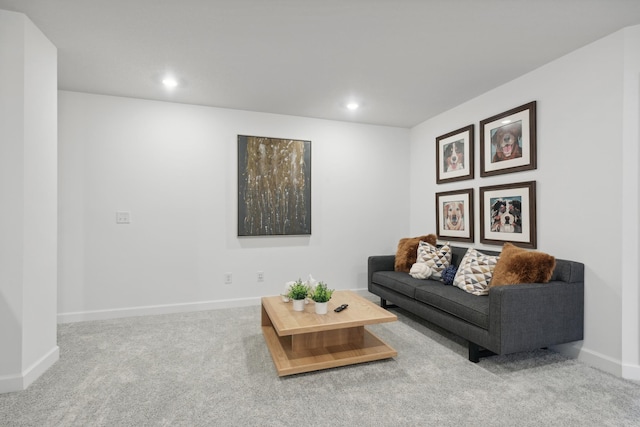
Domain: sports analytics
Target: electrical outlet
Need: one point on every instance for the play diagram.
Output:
(228, 278)
(123, 217)
(260, 276)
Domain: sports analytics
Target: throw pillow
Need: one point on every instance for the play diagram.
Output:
(448, 274)
(475, 271)
(519, 265)
(436, 258)
(420, 270)
(407, 251)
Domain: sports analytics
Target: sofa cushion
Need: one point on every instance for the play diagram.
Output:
(517, 265)
(408, 250)
(475, 272)
(397, 281)
(436, 258)
(454, 301)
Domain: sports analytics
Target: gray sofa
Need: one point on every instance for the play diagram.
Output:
(510, 319)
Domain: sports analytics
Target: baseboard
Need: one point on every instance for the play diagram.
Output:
(591, 358)
(631, 372)
(155, 310)
(364, 292)
(166, 309)
(11, 383)
(18, 382)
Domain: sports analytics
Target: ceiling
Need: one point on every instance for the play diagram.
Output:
(404, 61)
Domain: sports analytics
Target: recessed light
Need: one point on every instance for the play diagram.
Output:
(169, 82)
(352, 106)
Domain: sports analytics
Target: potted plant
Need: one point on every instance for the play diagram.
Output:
(321, 295)
(298, 292)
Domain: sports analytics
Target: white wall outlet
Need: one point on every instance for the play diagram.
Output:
(260, 276)
(123, 217)
(228, 278)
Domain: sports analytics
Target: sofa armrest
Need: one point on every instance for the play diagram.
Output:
(534, 315)
(379, 263)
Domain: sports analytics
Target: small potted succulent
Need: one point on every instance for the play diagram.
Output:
(321, 295)
(298, 292)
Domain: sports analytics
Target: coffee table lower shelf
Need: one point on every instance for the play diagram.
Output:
(288, 362)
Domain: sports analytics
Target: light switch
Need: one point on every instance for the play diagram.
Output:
(123, 217)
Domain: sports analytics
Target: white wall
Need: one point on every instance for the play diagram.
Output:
(580, 177)
(11, 84)
(630, 207)
(28, 190)
(174, 168)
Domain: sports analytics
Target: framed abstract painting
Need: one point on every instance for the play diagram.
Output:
(274, 186)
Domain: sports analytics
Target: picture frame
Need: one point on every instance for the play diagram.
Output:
(508, 141)
(454, 155)
(454, 215)
(508, 214)
(274, 186)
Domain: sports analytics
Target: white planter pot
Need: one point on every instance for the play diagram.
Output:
(321, 308)
(298, 305)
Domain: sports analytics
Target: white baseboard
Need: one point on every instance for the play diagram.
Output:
(610, 365)
(18, 382)
(11, 383)
(591, 358)
(155, 309)
(631, 372)
(363, 292)
(83, 316)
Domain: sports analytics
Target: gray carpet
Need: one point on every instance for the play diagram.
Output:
(213, 369)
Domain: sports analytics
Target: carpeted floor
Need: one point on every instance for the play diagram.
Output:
(213, 369)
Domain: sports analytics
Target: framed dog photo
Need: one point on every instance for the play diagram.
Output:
(454, 155)
(454, 215)
(508, 214)
(508, 141)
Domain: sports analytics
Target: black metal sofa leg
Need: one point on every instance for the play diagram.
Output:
(475, 352)
(383, 304)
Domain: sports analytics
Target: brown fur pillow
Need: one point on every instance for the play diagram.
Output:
(408, 251)
(517, 265)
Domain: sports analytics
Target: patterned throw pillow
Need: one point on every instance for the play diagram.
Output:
(475, 271)
(436, 258)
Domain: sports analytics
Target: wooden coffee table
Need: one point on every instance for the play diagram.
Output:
(303, 341)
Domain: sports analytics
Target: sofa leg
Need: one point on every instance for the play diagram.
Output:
(475, 352)
(384, 304)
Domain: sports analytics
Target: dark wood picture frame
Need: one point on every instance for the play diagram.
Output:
(454, 155)
(454, 215)
(508, 141)
(508, 214)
